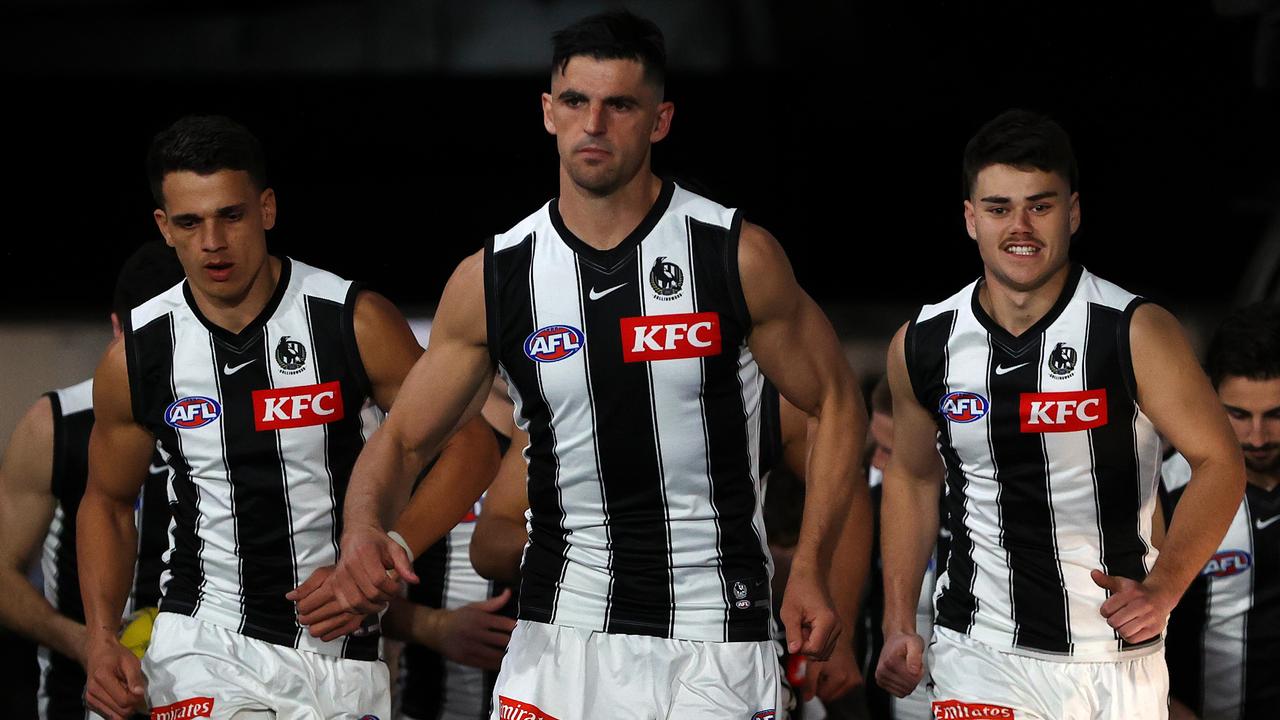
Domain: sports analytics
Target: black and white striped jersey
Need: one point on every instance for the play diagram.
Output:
(433, 687)
(631, 373)
(62, 679)
(261, 429)
(1051, 467)
(1224, 636)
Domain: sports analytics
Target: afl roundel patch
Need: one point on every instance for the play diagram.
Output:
(553, 343)
(963, 407)
(192, 412)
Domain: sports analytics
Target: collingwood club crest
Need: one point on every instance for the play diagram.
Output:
(666, 279)
(291, 356)
(1062, 361)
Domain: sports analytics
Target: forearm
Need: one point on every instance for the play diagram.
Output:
(908, 538)
(831, 472)
(24, 610)
(1198, 525)
(106, 552)
(497, 547)
(851, 560)
(410, 622)
(380, 481)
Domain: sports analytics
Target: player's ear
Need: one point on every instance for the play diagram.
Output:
(970, 220)
(268, 202)
(547, 122)
(1075, 212)
(662, 123)
(162, 222)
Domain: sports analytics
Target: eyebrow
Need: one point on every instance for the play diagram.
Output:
(578, 94)
(229, 209)
(1002, 199)
(1245, 411)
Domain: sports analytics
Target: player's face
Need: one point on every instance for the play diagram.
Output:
(604, 116)
(882, 439)
(1022, 221)
(1254, 409)
(217, 223)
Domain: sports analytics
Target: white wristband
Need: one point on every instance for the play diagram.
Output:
(401, 542)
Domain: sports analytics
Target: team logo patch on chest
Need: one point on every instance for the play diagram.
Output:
(666, 278)
(554, 343)
(1062, 411)
(299, 406)
(963, 407)
(291, 356)
(1227, 563)
(1062, 361)
(192, 412)
(670, 337)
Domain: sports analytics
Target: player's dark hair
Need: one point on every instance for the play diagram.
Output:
(1023, 139)
(1246, 344)
(204, 144)
(615, 35)
(149, 271)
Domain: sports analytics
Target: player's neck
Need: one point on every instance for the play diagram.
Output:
(235, 313)
(1017, 310)
(604, 221)
(1266, 481)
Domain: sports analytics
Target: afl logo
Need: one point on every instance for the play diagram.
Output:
(553, 343)
(1227, 563)
(963, 407)
(763, 715)
(192, 412)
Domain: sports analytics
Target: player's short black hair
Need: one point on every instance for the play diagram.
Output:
(1246, 344)
(614, 35)
(204, 144)
(1023, 139)
(149, 271)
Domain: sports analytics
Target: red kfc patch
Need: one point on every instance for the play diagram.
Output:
(509, 709)
(670, 337)
(1063, 411)
(298, 406)
(955, 710)
(196, 707)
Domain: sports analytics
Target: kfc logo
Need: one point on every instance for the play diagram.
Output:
(669, 337)
(1063, 411)
(297, 406)
(956, 710)
(509, 709)
(196, 707)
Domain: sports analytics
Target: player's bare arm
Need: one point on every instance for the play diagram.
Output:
(833, 678)
(500, 535)
(912, 482)
(1175, 394)
(387, 346)
(474, 634)
(797, 349)
(26, 509)
(438, 391)
(119, 453)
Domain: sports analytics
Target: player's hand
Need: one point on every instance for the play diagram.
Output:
(475, 634)
(328, 621)
(1137, 611)
(114, 685)
(369, 571)
(901, 665)
(811, 623)
(832, 678)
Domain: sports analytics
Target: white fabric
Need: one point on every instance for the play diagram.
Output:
(553, 672)
(966, 671)
(248, 678)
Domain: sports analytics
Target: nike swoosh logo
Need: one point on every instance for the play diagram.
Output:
(1002, 370)
(228, 370)
(1263, 524)
(157, 469)
(597, 295)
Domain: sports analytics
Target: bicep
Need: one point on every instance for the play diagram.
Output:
(1173, 390)
(387, 346)
(26, 496)
(119, 448)
(915, 435)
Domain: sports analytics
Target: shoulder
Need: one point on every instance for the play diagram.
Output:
(759, 250)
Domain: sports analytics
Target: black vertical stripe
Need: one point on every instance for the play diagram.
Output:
(1262, 638)
(1115, 467)
(151, 383)
(627, 455)
(511, 288)
(1022, 473)
(153, 536)
(729, 451)
(1184, 638)
(258, 495)
(422, 695)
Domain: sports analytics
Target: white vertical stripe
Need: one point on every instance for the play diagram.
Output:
(1229, 600)
(581, 495)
